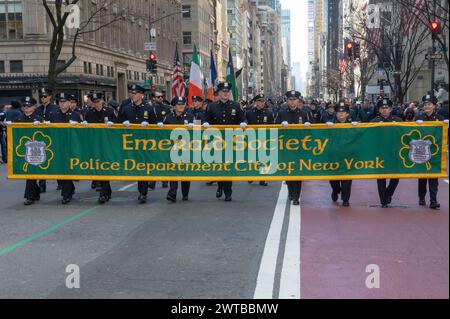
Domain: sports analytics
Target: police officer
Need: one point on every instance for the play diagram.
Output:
(99, 113)
(329, 115)
(259, 115)
(293, 115)
(32, 190)
(197, 109)
(65, 115)
(179, 116)
(386, 193)
(224, 112)
(342, 187)
(139, 112)
(429, 115)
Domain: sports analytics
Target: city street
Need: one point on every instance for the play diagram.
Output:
(254, 247)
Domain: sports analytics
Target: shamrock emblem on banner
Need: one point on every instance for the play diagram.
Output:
(417, 149)
(35, 150)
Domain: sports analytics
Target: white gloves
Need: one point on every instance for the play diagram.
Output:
(446, 122)
(7, 123)
(36, 123)
(191, 125)
(419, 122)
(84, 123)
(47, 122)
(109, 123)
(243, 125)
(73, 122)
(206, 125)
(355, 123)
(144, 124)
(330, 124)
(285, 124)
(307, 124)
(126, 123)
(160, 125)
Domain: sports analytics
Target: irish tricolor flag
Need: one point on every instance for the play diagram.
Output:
(195, 80)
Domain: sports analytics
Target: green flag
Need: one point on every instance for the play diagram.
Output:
(231, 77)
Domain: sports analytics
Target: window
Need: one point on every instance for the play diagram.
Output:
(101, 70)
(11, 20)
(2, 66)
(90, 68)
(187, 37)
(85, 68)
(112, 71)
(97, 69)
(187, 11)
(16, 66)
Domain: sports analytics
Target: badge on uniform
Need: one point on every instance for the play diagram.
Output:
(106, 119)
(146, 115)
(233, 112)
(186, 122)
(163, 113)
(265, 119)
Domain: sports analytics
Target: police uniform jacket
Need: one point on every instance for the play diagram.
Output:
(219, 113)
(259, 116)
(45, 110)
(106, 114)
(391, 118)
(137, 114)
(432, 118)
(173, 118)
(60, 117)
(29, 118)
(297, 116)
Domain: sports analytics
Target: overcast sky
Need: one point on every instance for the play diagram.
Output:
(299, 31)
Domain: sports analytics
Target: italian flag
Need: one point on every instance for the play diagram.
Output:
(195, 79)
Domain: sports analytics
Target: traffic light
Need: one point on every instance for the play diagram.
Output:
(435, 28)
(349, 49)
(357, 50)
(152, 63)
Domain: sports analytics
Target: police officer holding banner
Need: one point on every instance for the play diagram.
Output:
(139, 112)
(259, 115)
(99, 113)
(429, 114)
(293, 115)
(65, 115)
(32, 190)
(224, 112)
(179, 116)
(342, 187)
(386, 193)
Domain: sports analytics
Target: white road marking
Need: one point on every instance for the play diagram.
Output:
(266, 274)
(127, 187)
(290, 273)
(446, 180)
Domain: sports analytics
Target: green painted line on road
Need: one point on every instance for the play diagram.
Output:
(47, 231)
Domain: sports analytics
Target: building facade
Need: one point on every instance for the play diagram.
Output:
(107, 59)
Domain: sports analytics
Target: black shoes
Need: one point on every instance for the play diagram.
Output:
(42, 189)
(210, 183)
(435, 205)
(422, 202)
(384, 206)
(334, 197)
(58, 188)
(263, 184)
(102, 200)
(296, 202)
(250, 182)
(66, 200)
(142, 199)
(185, 198)
(389, 199)
(171, 199)
(219, 193)
(346, 204)
(228, 199)
(28, 202)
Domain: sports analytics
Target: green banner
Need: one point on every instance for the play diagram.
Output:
(98, 152)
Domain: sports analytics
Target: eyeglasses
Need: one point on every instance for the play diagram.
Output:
(159, 97)
(43, 96)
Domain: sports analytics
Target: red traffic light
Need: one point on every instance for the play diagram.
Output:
(435, 26)
(152, 56)
(350, 45)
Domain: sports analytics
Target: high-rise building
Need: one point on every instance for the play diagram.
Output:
(286, 34)
(107, 60)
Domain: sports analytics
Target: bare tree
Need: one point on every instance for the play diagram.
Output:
(332, 81)
(424, 12)
(97, 16)
(399, 54)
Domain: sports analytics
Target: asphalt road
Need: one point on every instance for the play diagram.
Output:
(257, 246)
